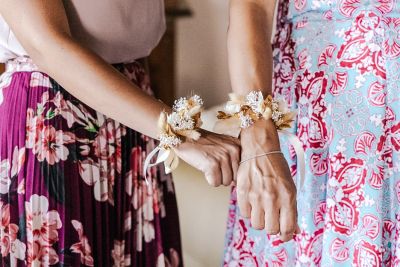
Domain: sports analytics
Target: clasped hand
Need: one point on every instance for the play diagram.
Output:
(266, 192)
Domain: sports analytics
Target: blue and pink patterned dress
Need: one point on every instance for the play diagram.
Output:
(338, 63)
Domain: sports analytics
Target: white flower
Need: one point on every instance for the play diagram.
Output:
(148, 231)
(178, 122)
(255, 100)
(118, 254)
(180, 104)
(197, 100)
(5, 180)
(245, 120)
(277, 116)
(169, 141)
(232, 107)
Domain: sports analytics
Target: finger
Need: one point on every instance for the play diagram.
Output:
(226, 170)
(257, 216)
(272, 226)
(235, 167)
(214, 176)
(242, 191)
(288, 223)
(243, 202)
(244, 206)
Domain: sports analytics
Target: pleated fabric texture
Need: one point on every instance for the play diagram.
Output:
(72, 190)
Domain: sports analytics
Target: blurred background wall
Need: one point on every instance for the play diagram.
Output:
(201, 67)
(201, 51)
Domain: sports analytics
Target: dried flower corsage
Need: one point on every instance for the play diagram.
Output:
(175, 128)
(254, 107)
(243, 111)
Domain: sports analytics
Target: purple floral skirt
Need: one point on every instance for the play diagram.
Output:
(72, 190)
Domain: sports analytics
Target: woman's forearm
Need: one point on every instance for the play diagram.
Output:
(98, 85)
(43, 30)
(249, 45)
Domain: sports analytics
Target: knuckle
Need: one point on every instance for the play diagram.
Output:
(227, 182)
(286, 232)
(271, 196)
(213, 164)
(214, 183)
(244, 213)
(254, 197)
(272, 231)
(235, 149)
(241, 191)
(257, 226)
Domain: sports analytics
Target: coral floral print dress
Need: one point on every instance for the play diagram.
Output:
(72, 188)
(338, 63)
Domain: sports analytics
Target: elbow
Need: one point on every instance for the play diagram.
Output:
(41, 47)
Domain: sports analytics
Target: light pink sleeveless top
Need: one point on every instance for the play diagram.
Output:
(117, 30)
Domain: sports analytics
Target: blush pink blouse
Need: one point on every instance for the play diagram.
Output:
(119, 31)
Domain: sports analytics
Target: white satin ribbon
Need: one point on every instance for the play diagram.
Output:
(168, 156)
(298, 148)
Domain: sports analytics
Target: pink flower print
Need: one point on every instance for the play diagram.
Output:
(148, 232)
(82, 247)
(21, 187)
(9, 243)
(39, 79)
(39, 255)
(8, 232)
(63, 109)
(137, 158)
(108, 142)
(34, 125)
(17, 161)
(42, 224)
(93, 174)
(118, 254)
(51, 145)
(173, 260)
(17, 250)
(8, 171)
(5, 180)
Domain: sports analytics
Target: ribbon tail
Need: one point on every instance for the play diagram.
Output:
(171, 163)
(147, 162)
(298, 147)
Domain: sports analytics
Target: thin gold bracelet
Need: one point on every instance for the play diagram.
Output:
(261, 155)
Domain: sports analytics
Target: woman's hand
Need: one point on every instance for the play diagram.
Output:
(217, 156)
(265, 189)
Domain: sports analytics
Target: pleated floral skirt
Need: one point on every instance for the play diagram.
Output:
(72, 190)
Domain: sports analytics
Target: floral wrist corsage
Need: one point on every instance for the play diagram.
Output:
(182, 124)
(247, 110)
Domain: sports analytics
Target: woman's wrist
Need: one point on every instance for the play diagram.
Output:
(262, 137)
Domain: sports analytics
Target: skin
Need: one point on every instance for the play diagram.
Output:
(265, 189)
(42, 28)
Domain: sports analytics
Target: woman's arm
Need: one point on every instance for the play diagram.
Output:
(249, 45)
(42, 28)
(266, 192)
